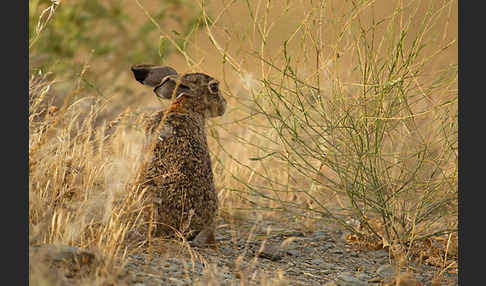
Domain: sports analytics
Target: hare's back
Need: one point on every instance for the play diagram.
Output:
(180, 143)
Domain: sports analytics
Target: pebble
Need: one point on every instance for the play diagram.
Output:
(353, 254)
(320, 235)
(385, 271)
(294, 233)
(322, 264)
(363, 276)
(329, 266)
(58, 253)
(176, 281)
(226, 251)
(271, 252)
(67, 257)
(69, 262)
(346, 279)
(325, 247)
(293, 252)
(221, 238)
(317, 261)
(337, 251)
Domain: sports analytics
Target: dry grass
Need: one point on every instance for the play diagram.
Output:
(337, 110)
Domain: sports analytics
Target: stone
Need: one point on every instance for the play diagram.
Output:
(320, 235)
(176, 281)
(293, 252)
(337, 251)
(272, 253)
(363, 276)
(353, 254)
(294, 233)
(58, 262)
(346, 279)
(317, 261)
(222, 238)
(63, 253)
(385, 271)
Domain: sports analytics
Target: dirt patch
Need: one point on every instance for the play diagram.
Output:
(272, 253)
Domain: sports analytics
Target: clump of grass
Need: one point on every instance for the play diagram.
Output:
(378, 134)
(79, 179)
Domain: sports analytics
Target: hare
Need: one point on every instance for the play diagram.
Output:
(178, 176)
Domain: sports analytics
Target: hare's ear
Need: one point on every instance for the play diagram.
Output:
(166, 87)
(151, 75)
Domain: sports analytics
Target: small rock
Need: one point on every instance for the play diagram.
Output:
(363, 276)
(62, 261)
(385, 271)
(271, 252)
(322, 264)
(317, 261)
(293, 252)
(222, 238)
(294, 271)
(226, 251)
(227, 275)
(173, 260)
(139, 284)
(176, 281)
(68, 255)
(346, 279)
(320, 249)
(293, 233)
(374, 280)
(329, 266)
(353, 254)
(320, 235)
(337, 251)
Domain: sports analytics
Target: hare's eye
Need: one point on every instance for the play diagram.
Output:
(213, 87)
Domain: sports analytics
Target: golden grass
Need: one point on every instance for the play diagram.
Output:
(286, 68)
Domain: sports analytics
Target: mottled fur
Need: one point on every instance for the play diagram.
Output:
(179, 176)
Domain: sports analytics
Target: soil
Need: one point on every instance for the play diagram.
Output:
(275, 253)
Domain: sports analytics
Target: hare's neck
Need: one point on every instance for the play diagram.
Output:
(200, 123)
(196, 123)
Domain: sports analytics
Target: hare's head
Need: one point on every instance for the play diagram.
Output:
(197, 92)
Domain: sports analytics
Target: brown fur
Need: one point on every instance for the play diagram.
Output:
(179, 176)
